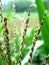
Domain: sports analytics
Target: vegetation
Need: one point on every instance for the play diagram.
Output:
(15, 44)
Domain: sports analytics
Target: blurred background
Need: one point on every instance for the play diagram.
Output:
(21, 8)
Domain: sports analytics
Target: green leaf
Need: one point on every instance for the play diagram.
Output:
(0, 27)
(45, 29)
(29, 36)
(1, 61)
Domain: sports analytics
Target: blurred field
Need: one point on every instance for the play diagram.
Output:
(34, 20)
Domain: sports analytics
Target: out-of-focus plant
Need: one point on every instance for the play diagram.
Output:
(29, 36)
(0, 28)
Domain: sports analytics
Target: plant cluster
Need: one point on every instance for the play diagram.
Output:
(5, 48)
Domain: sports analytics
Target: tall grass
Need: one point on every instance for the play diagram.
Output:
(41, 27)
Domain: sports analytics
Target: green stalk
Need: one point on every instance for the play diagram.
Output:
(45, 29)
(2, 54)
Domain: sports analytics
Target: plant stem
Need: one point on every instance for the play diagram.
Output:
(1, 11)
(35, 38)
(14, 18)
(6, 39)
(46, 59)
(25, 29)
(2, 54)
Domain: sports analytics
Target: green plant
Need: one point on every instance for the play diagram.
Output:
(45, 34)
(13, 53)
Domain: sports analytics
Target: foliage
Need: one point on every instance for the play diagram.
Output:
(28, 37)
(1, 61)
(45, 29)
